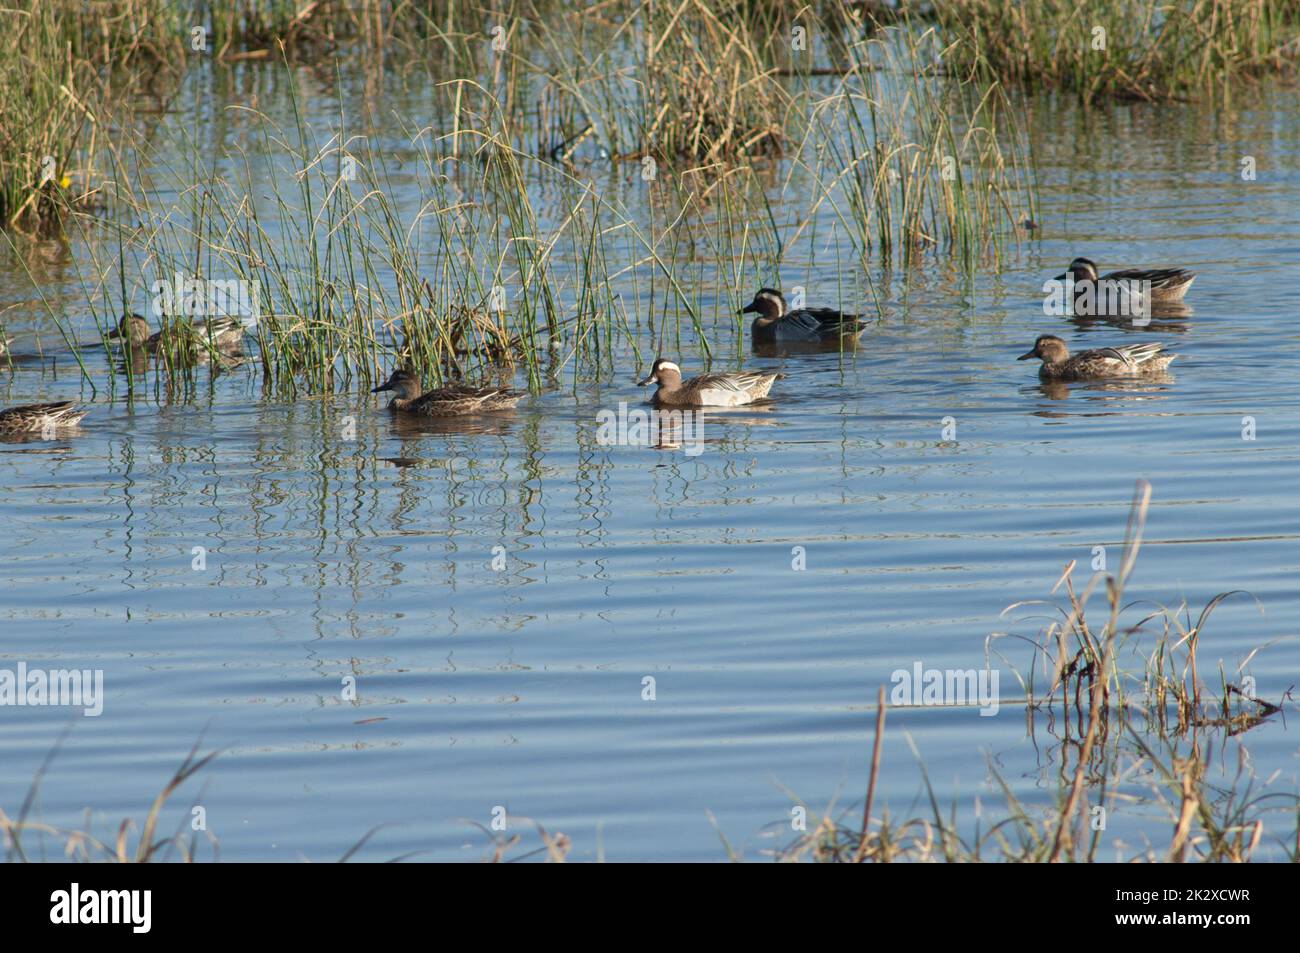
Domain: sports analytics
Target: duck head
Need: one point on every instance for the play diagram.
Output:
(1049, 349)
(1082, 269)
(404, 384)
(768, 304)
(133, 328)
(665, 373)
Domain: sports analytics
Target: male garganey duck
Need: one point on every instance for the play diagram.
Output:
(776, 322)
(1167, 284)
(708, 390)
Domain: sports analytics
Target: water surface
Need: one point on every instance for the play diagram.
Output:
(521, 685)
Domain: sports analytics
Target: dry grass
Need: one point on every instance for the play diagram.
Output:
(710, 93)
(1173, 734)
(1132, 49)
(84, 846)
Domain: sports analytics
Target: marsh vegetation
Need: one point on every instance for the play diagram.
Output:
(534, 195)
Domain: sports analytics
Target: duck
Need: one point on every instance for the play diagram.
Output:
(37, 418)
(707, 390)
(4, 344)
(1129, 360)
(776, 322)
(1167, 284)
(449, 401)
(225, 334)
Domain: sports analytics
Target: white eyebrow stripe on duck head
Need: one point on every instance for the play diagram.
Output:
(775, 299)
(667, 366)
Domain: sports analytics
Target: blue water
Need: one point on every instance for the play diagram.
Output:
(522, 687)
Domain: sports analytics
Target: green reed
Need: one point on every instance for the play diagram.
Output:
(341, 291)
(565, 167)
(912, 162)
(1136, 49)
(63, 67)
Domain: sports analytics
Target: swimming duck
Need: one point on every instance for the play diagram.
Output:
(449, 401)
(776, 322)
(36, 418)
(1130, 360)
(225, 333)
(1167, 284)
(708, 390)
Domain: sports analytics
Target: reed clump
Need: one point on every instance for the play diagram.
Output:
(70, 68)
(710, 91)
(1172, 734)
(68, 73)
(83, 846)
(1130, 49)
(502, 251)
(342, 289)
(47, 99)
(913, 163)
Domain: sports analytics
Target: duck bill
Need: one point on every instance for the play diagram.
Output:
(1025, 357)
(1061, 277)
(750, 308)
(648, 380)
(113, 335)
(386, 385)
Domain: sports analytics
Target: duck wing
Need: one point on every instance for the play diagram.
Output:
(741, 382)
(1159, 277)
(822, 321)
(63, 413)
(464, 398)
(223, 325)
(1129, 355)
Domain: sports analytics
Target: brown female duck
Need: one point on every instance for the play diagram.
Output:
(449, 401)
(38, 418)
(225, 334)
(1130, 360)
